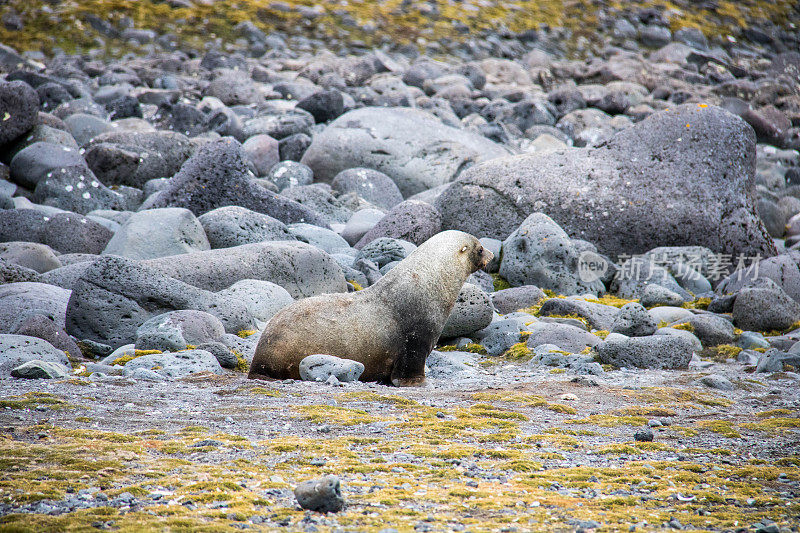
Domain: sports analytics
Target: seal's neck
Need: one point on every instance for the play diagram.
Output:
(436, 273)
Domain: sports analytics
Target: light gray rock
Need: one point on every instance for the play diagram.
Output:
(32, 255)
(262, 298)
(300, 268)
(688, 335)
(771, 361)
(176, 330)
(290, 174)
(246, 346)
(66, 276)
(566, 337)
(322, 238)
(176, 365)
(655, 351)
(322, 495)
(498, 343)
(233, 225)
(452, 366)
(320, 367)
(224, 355)
(633, 320)
(318, 200)
(158, 233)
(715, 381)
(599, 316)
(748, 357)
(670, 315)
(19, 301)
(472, 312)
(637, 273)
(375, 187)
(84, 127)
(145, 374)
(360, 223)
(655, 295)
(36, 369)
(18, 349)
(540, 253)
(606, 194)
(412, 147)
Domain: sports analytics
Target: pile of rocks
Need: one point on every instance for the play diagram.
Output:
(156, 212)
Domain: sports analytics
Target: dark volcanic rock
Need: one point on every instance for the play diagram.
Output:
(19, 105)
(217, 176)
(412, 220)
(133, 157)
(681, 177)
(43, 327)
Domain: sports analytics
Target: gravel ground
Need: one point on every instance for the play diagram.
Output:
(552, 451)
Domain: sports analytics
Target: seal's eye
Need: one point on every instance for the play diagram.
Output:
(464, 249)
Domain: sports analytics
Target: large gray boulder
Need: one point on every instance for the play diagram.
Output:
(684, 176)
(540, 253)
(410, 146)
(158, 233)
(300, 268)
(115, 296)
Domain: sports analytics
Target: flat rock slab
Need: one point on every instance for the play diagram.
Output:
(300, 268)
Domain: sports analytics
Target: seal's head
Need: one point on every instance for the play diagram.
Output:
(467, 250)
(475, 253)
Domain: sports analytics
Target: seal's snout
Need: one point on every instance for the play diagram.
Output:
(484, 257)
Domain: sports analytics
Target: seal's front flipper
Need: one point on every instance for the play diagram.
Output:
(410, 382)
(409, 369)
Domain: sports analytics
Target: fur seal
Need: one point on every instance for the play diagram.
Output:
(390, 327)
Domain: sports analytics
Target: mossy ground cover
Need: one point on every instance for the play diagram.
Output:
(488, 459)
(70, 25)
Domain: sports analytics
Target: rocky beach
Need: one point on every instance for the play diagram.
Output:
(175, 173)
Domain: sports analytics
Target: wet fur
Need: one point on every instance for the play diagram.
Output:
(390, 327)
